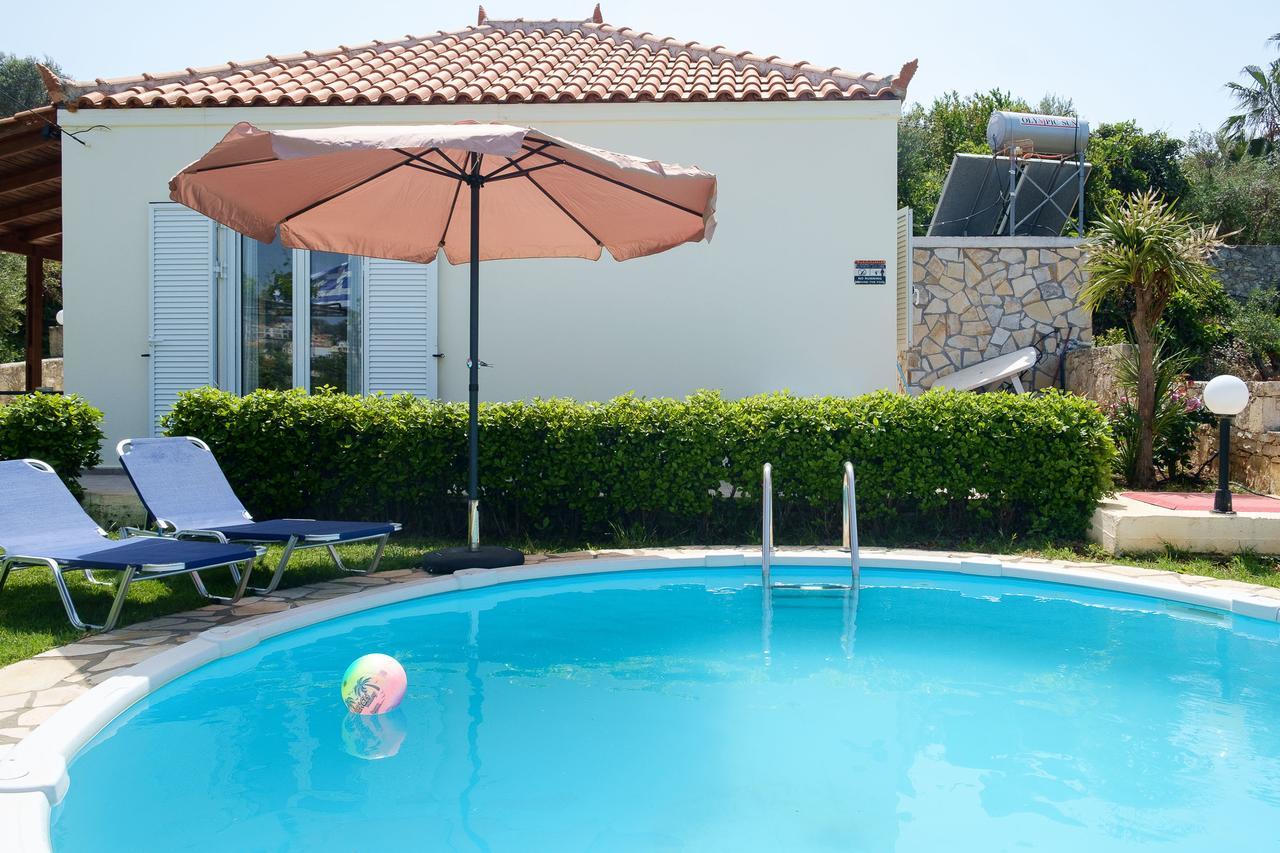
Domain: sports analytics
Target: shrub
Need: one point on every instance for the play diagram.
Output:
(63, 431)
(1179, 413)
(959, 463)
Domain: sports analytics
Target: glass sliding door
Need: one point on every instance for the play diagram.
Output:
(266, 316)
(300, 319)
(335, 322)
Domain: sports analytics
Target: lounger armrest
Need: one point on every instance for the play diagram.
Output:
(202, 535)
(131, 532)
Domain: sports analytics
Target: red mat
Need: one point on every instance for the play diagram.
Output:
(1203, 501)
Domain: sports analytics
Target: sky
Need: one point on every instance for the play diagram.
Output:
(1161, 64)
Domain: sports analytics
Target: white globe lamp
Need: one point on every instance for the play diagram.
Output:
(1226, 397)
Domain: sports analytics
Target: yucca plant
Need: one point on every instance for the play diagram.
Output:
(1145, 246)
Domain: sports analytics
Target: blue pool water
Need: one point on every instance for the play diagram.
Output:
(663, 711)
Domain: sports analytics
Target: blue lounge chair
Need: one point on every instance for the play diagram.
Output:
(187, 495)
(41, 524)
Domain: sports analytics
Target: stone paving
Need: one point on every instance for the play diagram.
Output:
(32, 690)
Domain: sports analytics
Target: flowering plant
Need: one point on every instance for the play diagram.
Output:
(1179, 411)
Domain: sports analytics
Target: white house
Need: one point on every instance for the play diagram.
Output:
(158, 299)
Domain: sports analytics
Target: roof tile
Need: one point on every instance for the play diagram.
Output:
(498, 61)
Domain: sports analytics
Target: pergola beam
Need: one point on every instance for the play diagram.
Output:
(39, 232)
(21, 247)
(20, 144)
(30, 177)
(45, 204)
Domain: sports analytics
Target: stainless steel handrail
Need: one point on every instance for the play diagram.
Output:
(766, 533)
(850, 538)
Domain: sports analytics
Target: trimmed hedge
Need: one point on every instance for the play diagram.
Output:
(63, 431)
(944, 464)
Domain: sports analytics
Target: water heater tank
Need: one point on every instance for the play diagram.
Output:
(1036, 133)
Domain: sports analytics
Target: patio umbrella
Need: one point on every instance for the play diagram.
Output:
(405, 193)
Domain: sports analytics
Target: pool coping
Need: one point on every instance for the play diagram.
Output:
(33, 772)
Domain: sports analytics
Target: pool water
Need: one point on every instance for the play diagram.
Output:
(666, 710)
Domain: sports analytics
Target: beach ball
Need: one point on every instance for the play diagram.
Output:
(373, 684)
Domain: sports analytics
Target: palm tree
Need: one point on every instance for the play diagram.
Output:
(1145, 247)
(1259, 102)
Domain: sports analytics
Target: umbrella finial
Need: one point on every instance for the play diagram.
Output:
(482, 17)
(596, 17)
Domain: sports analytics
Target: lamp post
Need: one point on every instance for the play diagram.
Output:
(1225, 396)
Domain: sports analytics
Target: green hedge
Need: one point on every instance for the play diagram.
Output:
(945, 464)
(63, 431)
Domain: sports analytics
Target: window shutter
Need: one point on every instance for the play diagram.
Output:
(400, 326)
(182, 305)
(906, 297)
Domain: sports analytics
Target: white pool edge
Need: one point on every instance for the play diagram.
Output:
(33, 772)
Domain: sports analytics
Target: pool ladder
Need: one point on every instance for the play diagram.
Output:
(848, 542)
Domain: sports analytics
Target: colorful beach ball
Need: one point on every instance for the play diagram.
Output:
(373, 684)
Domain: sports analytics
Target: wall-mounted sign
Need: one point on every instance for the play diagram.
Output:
(870, 272)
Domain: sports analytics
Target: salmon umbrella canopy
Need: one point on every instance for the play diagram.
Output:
(406, 192)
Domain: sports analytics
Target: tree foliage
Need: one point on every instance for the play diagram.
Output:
(1258, 99)
(20, 85)
(1233, 187)
(1128, 160)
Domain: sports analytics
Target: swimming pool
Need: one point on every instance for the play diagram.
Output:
(673, 709)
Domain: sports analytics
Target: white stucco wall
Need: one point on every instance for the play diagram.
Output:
(804, 189)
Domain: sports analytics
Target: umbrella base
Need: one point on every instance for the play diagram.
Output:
(446, 561)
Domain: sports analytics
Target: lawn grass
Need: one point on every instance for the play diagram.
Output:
(32, 619)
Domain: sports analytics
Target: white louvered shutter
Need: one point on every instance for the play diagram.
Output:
(400, 327)
(906, 297)
(182, 305)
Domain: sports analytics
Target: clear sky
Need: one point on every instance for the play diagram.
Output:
(1163, 64)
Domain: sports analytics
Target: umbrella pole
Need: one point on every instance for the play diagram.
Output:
(471, 555)
(473, 387)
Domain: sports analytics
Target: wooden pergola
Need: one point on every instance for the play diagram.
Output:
(31, 212)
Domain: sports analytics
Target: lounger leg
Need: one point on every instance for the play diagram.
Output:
(93, 579)
(377, 555)
(118, 604)
(280, 567)
(240, 580)
(373, 567)
(67, 603)
(337, 561)
(5, 567)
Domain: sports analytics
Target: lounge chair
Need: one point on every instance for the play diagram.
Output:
(186, 495)
(41, 524)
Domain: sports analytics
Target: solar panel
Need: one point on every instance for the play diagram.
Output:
(974, 197)
(972, 200)
(1045, 196)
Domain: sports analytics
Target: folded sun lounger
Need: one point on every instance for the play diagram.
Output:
(187, 496)
(41, 524)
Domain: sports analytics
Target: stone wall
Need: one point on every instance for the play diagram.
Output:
(980, 297)
(1244, 269)
(13, 376)
(1091, 372)
(1255, 441)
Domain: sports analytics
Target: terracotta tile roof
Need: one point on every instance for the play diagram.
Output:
(495, 62)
